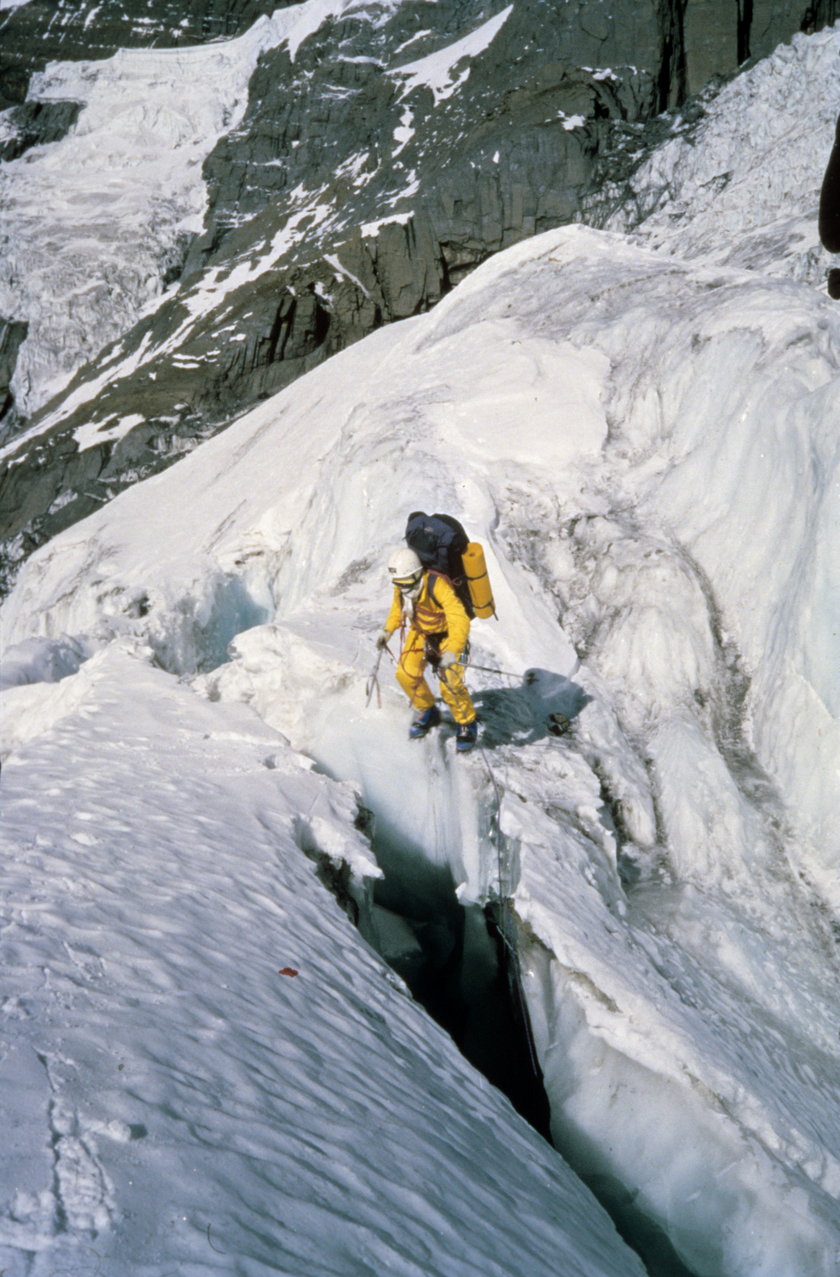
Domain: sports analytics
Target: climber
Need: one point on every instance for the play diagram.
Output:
(436, 631)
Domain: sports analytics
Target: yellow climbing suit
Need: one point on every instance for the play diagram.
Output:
(436, 614)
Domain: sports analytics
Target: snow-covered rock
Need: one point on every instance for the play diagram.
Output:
(351, 163)
(96, 225)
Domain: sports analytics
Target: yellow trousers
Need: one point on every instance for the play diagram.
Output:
(411, 679)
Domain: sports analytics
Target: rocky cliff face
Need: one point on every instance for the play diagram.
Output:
(384, 151)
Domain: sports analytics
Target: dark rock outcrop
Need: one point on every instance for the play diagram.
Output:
(35, 123)
(12, 333)
(829, 217)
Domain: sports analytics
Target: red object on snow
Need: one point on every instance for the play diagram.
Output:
(287, 971)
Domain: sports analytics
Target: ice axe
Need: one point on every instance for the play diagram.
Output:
(372, 684)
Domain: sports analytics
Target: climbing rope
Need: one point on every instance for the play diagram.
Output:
(489, 669)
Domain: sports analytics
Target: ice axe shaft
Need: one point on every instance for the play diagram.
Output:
(372, 684)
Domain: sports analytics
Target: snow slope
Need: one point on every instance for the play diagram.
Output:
(205, 1070)
(648, 450)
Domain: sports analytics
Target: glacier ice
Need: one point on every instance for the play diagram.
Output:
(647, 452)
(643, 434)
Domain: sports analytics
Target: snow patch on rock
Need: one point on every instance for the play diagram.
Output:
(92, 223)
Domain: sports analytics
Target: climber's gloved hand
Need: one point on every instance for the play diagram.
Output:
(382, 639)
(447, 660)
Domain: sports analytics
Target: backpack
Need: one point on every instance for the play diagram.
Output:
(439, 541)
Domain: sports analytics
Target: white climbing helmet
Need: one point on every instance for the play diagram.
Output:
(405, 568)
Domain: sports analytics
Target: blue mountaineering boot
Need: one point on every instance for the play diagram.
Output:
(467, 736)
(424, 722)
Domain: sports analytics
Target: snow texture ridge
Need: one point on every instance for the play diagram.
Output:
(210, 1071)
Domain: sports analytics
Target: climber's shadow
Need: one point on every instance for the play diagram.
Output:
(545, 704)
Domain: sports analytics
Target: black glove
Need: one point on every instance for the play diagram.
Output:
(382, 638)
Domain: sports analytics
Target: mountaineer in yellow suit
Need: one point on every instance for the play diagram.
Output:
(436, 631)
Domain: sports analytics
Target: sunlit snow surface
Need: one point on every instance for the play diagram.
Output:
(648, 451)
(203, 1069)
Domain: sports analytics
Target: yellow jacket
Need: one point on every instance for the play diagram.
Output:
(434, 615)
